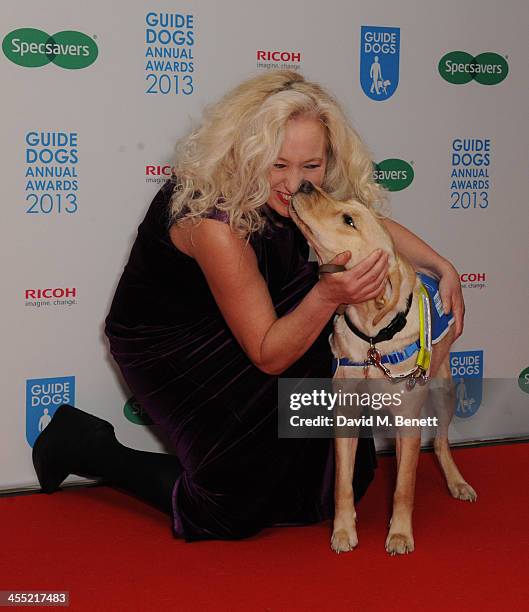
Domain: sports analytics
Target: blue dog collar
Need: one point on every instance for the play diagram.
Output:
(393, 358)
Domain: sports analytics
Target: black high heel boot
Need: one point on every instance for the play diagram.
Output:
(76, 442)
(58, 450)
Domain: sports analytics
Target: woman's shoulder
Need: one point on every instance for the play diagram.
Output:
(210, 234)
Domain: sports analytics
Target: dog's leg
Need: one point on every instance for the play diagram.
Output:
(344, 537)
(400, 535)
(443, 398)
(408, 445)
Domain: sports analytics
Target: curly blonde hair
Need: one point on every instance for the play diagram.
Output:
(226, 161)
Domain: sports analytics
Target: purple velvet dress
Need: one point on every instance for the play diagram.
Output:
(219, 411)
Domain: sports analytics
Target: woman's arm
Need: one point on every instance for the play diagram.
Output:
(425, 259)
(273, 344)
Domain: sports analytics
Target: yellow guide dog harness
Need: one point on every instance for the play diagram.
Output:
(423, 346)
(419, 373)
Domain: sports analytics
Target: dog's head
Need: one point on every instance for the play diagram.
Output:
(332, 227)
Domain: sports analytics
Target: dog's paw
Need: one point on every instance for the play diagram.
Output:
(463, 491)
(399, 544)
(344, 540)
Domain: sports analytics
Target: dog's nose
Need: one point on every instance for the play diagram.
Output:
(306, 187)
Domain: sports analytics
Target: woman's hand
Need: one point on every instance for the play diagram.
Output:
(452, 296)
(365, 281)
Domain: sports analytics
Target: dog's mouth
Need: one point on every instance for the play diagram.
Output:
(305, 229)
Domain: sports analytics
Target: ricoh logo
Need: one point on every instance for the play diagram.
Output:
(285, 60)
(467, 372)
(473, 280)
(394, 174)
(51, 173)
(170, 44)
(43, 397)
(459, 67)
(158, 173)
(57, 296)
(379, 61)
(471, 160)
(34, 48)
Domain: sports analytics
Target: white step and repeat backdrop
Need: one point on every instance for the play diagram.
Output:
(94, 96)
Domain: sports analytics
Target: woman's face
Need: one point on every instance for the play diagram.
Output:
(302, 157)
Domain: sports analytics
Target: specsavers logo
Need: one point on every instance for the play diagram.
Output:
(393, 174)
(459, 67)
(33, 48)
(135, 413)
(523, 380)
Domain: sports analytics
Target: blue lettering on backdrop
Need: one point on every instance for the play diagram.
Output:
(170, 36)
(52, 159)
(43, 397)
(379, 61)
(469, 178)
(467, 372)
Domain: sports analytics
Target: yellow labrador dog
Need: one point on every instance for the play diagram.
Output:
(361, 334)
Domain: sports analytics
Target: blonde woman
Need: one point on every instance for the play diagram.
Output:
(217, 300)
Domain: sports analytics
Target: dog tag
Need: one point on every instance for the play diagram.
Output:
(374, 356)
(366, 368)
(410, 383)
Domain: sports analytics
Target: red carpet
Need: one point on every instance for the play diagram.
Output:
(113, 552)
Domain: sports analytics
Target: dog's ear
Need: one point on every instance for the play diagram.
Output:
(394, 278)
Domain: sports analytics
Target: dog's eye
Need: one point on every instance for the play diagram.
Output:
(348, 220)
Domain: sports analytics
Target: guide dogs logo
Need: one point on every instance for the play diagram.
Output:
(379, 61)
(459, 67)
(43, 397)
(467, 372)
(33, 48)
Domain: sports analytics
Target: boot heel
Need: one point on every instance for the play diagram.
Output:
(57, 451)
